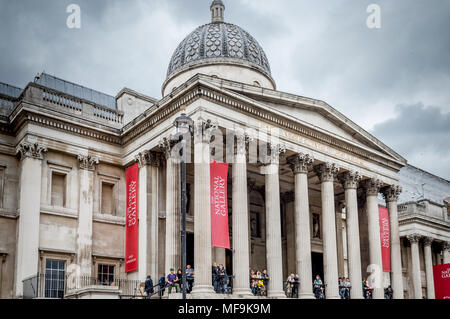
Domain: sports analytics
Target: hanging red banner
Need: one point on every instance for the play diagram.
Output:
(385, 238)
(219, 205)
(441, 274)
(132, 220)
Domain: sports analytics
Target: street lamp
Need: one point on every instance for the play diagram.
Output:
(184, 125)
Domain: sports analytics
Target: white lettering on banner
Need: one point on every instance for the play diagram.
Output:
(385, 240)
(446, 274)
(132, 204)
(219, 196)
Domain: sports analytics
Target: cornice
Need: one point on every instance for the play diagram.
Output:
(404, 219)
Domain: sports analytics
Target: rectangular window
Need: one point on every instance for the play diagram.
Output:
(108, 199)
(55, 272)
(58, 189)
(105, 275)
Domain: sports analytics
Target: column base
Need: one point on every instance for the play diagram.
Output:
(242, 292)
(276, 294)
(203, 292)
(306, 296)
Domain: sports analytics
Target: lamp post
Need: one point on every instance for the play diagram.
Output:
(184, 125)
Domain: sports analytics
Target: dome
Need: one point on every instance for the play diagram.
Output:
(219, 43)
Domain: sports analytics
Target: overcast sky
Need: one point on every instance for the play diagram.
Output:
(393, 82)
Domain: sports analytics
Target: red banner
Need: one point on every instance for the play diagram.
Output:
(219, 205)
(132, 221)
(441, 274)
(385, 238)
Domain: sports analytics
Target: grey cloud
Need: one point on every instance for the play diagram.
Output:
(421, 135)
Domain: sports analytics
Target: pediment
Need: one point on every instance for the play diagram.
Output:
(314, 114)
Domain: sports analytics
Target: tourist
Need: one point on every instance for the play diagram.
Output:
(180, 277)
(348, 287)
(388, 292)
(253, 284)
(148, 286)
(221, 279)
(318, 288)
(214, 276)
(172, 281)
(341, 288)
(189, 278)
(265, 276)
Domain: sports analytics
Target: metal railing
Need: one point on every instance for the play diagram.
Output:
(53, 287)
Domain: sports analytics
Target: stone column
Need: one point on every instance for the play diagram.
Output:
(372, 187)
(241, 238)
(300, 165)
(350, 181)
(149, 163)
(173, 204)
(29, 212)
(327, 173)
(429, 267)
(446, 252)
(415, 257)
(391, 195)
(251, 183)
(202, 209)
(85, 213)
(273, 223)
(339, 239)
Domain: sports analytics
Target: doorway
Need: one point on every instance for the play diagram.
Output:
(190, 249)
(317, 265)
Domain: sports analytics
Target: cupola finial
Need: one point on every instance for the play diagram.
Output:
(217, 11)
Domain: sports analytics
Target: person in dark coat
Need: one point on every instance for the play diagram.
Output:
(149, 286)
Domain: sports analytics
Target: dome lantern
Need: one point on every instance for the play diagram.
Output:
(217, 11)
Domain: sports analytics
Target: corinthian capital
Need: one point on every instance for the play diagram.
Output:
(446, 245)
(32, 150)
(242, 142)
(166, 145)
(274, 151)
(391, 193)
(149, 158)
(350, 179)
(326, 172)
(87, 162)
(414, 238)
(300, 163)
(203, 131)
(372, 186)
(427, 241)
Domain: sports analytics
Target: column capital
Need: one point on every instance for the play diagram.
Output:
(427, 241)
(326, 172)
(300, 163)
(372, 186)
(203, 130)
(274, 151)
(414, 238)
(87, 162)
(166, 144)
(391, 193)
(31, 150)
(149, 158)
(350, 179)
(242, 142)
(446, 245)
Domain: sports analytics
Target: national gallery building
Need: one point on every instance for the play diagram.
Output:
(305, 184)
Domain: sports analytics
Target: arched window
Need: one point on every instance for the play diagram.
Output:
(256, 83)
